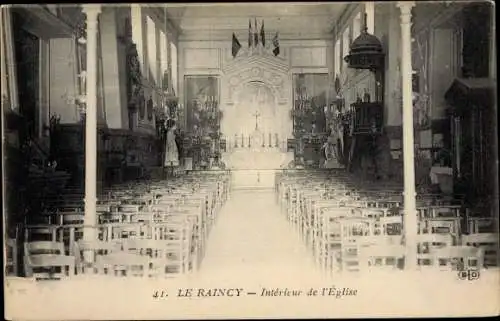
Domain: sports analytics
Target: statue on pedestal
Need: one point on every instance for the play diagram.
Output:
(330, 150)
(171, 149)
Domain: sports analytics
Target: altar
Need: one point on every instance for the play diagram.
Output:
(253, 159)
(255, 167)
(256, 90)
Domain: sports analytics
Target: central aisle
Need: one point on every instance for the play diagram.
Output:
(251, 238)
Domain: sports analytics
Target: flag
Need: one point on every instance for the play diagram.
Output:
(255, 35)
(250, 42)
(276, 44)
(262, 35)
(236, 46)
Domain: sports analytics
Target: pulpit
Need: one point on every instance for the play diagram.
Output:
(367, 118)
(364, 118)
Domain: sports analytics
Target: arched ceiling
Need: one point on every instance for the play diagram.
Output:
(207, 21)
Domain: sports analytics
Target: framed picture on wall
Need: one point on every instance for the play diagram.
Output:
(201, 94)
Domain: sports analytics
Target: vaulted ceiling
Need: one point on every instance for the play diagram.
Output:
(206, 21)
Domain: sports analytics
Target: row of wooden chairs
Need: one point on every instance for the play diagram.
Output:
(349, 225)
(152, 228)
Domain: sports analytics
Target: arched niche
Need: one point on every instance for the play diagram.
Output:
(274, 72)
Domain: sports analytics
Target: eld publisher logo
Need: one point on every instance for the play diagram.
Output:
(470, 275)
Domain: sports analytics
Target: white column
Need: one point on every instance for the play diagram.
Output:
(410, 213)
(92, 11)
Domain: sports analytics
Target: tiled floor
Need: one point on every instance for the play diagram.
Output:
(252, 237)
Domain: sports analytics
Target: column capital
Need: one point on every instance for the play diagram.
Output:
(91, 10)
(405, 6)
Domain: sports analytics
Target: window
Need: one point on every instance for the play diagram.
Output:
(346, 43)
(163, 58)
(151, 45)
(101, 104)
(370, 17)
(173, 52)
(137, 27)
(337, 61)
(356, 26)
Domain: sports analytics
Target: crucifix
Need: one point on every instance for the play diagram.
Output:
(256, 114)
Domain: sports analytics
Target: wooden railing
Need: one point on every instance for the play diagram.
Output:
(115, 149)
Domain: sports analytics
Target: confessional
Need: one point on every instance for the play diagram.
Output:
(473, 123)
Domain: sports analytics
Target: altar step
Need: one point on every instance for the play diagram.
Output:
(253, 188)
(252, 179)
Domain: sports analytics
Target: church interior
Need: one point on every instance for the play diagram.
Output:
(160, 140)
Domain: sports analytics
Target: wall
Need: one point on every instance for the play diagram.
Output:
(152, 73)
(214, 58)
(63, 87)
(113, 68)
(436, 58)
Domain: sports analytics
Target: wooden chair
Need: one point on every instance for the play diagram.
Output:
(372, 213)
(70, 235)
(327, 250)
(112, 231)
(353, 230)
(11, 262)
(122, 264)
(381, 256)
(47, 256)
(488, 242)
(441, 225)
(445, 211)
(390, 225)
(97, 246)
(459, 258)
(428, 244)
(166, 259)
(477, 225)
(41, 232)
